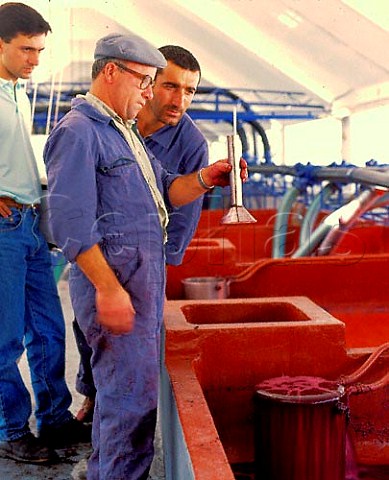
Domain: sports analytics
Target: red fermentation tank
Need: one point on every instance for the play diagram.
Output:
(300, 429)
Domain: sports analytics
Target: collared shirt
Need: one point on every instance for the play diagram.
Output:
(19, 176)
(140, 154)
(181, 149)
(97, 192)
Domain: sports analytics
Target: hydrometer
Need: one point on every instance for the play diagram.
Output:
(237, 212)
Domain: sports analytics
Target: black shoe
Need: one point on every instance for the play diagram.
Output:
(65, 435)
(28, 449)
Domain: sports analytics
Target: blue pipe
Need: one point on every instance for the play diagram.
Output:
(363, 175)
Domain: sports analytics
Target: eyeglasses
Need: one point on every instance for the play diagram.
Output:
(146, 80)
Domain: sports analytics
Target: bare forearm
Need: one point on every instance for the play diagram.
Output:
(95, 267)
(187, 188)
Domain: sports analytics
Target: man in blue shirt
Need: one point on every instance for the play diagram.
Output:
(30, 310)
(108, 214)
(179, 145)
(174, 139)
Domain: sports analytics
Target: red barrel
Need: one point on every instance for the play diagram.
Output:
(300, 429)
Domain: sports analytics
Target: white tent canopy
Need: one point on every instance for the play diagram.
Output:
(332, 54)
(335, 51)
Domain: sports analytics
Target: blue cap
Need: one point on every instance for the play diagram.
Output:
(129, 47)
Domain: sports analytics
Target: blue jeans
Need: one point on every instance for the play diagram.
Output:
(30, 318)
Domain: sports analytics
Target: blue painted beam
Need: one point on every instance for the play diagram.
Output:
(249, 116)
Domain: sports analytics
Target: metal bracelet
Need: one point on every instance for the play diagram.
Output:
(201, 181)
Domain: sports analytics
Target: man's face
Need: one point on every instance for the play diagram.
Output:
(128, 97)
(173, 93)
(20, 56)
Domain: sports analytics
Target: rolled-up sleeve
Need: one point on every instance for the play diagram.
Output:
(72, 200)
(184, 220)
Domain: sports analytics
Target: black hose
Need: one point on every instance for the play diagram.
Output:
(254, 123)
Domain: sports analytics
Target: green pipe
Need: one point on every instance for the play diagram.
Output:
(215, 199)
(312, 213)
(329, 232)
(315, 239)
(345, 217)
(58, 263)
(382, 201)
(281, 223)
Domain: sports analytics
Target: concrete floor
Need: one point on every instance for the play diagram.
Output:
(73, 461)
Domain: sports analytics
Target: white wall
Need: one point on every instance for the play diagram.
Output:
(317, 141)
(369, 134)
(320, 141)
(38, 143)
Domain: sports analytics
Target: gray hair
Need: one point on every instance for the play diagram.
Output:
(99, 64)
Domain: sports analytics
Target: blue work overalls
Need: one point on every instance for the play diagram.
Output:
(98, 188)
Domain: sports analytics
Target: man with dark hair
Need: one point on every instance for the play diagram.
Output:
(30, 310)
(179, 145)
(20, 18)
(174, 139)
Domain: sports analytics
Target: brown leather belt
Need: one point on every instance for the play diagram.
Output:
(11, 203)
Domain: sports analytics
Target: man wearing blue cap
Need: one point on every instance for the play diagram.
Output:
(179, 145)
(108, 214)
